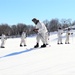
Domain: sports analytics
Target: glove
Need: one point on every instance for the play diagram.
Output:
(35, 30)
(68, 33)
(71, 33)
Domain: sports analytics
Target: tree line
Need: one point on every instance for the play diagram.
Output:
(16, 30)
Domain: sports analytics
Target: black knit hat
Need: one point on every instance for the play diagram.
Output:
(35, 20)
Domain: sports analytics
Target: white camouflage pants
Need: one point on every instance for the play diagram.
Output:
(43, 37)
(59, 39)
(67, 39)
(23, 42)
(2, 42)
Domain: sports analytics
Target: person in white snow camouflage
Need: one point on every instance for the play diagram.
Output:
(60, 32)
(3, 39)
(23, 39)
(68, 33)
(42, 33)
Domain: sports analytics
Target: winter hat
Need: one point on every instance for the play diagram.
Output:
(35, 20)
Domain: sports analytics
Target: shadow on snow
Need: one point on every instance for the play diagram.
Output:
(16, 53)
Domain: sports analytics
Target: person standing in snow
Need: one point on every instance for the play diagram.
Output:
(60, 32)
(68, 33)
(41, 31)
(23, 39)
(3, 39)
(47, 38)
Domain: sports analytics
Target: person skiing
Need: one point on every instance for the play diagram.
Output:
(68, 33)
(3, 38)
(41, 31)
(60, 32)
(23, 39)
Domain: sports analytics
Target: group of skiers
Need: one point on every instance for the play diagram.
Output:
(60, 32)
(4, 38)
(42, 34)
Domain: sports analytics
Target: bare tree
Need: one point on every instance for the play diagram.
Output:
(66, 23)
(5, 29)
(14, 30)
(53, 25)
(21, 27)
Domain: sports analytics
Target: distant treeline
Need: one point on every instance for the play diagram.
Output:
(16, 30)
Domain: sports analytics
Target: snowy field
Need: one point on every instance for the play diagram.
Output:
(54, 60)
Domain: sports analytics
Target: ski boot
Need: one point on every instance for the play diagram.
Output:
(44, 45)
(61, 43)
(20, 45)
(2, 47)
(24, 45)
(37, 45)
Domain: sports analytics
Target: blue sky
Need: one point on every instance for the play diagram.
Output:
(22, 11)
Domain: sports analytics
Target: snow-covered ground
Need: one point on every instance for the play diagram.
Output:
(54, 60)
